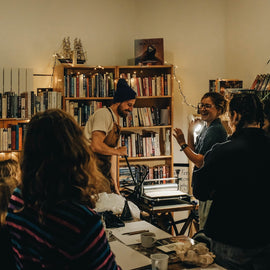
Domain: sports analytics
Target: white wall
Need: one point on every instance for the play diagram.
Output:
(194, 39)
(205, 39)
(247, 39)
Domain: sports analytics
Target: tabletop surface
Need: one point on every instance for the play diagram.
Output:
(174, 261)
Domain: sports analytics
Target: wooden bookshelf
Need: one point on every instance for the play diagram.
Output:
(5, 151)
(67, 78)
(16, 111)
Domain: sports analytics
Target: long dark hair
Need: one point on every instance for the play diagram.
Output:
(249, 106)
(57, 163)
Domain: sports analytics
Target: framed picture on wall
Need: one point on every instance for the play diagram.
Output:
(149, 51)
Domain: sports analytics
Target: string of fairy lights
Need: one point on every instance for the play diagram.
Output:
(180, 89)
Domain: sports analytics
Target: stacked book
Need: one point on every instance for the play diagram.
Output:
(139, 171)
(11, 138)
(158, 85)
(27, 104)
(81, 110)
(146, 117)
(141, 145)
(81, 85)
(261, 82)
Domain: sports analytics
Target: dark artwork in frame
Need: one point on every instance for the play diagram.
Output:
(149, 51)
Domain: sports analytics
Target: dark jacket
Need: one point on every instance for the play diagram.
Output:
(235, 176)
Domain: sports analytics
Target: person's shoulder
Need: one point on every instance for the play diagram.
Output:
(217, 124)
(217, 128)
(79, 215)
(102, 111)
(102, 114)
(79, 209)
(218, 149)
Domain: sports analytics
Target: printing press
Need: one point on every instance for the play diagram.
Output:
(162, 197)
(163, 191)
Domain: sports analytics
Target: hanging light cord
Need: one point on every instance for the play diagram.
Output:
(180, 89)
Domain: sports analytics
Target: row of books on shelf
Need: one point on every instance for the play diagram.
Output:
(27, 104)
(139, 171)
(145, 117)
(261, 82)
(82, 111)
(11, 138)
(141, 145)
(81, 85)
(158, 85)
(220, 85)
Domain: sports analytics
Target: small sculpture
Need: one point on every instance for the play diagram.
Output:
(66, 55)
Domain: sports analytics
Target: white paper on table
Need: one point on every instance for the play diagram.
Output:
(137, 226)
(127, 257)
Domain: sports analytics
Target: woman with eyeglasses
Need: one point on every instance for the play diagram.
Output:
(211, 107)
(237, 221)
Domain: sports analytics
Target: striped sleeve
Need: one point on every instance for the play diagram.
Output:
(71, 237)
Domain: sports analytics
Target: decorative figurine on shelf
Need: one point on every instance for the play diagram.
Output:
(75, 56)
(65, 56)
(79, 51)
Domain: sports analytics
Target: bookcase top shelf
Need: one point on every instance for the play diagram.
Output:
(21, 120)
(141, 127)
(112, 67)
(145, 158)
(145, 67)
(88, 98)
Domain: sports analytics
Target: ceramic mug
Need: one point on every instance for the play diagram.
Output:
(148, 239)
(159, 261)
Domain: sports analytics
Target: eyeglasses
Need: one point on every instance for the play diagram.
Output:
(206, 106)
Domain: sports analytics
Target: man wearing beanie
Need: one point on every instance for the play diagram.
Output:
(103, 132)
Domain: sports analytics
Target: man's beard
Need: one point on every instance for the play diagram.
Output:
(121, 112)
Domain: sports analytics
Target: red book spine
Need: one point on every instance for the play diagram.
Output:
(13, 137)
(20, 138)
(150, 86)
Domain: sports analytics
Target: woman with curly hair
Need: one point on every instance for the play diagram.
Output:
(50, 220)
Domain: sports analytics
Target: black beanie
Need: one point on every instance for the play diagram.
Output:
(123, 92)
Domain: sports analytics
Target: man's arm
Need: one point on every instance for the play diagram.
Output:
(98, 145)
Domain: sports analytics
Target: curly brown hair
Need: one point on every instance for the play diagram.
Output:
(57, 163)
(7, 185)
(9, 167)
(218, 99)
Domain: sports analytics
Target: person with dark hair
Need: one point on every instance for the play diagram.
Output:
(103, 132)
(212, 106)
(50, 220)
(233, 174)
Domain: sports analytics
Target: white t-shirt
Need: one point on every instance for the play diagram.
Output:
(101, 120)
